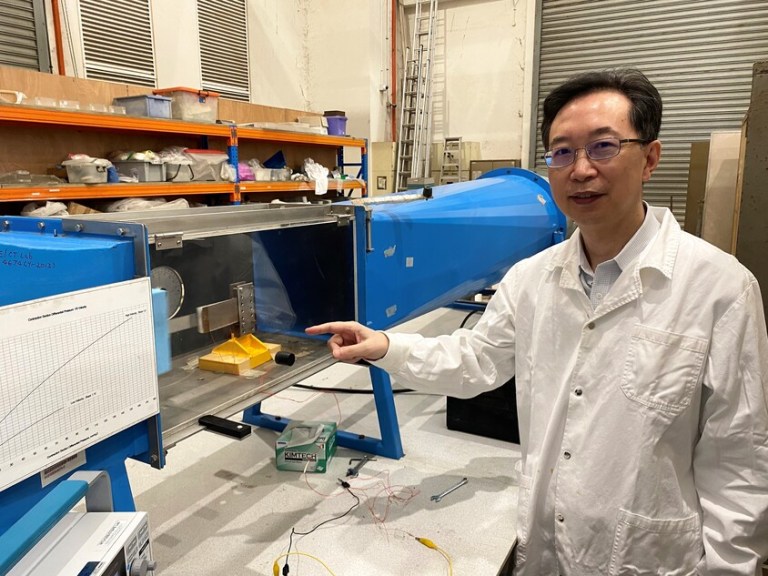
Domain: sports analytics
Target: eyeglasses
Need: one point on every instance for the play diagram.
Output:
(597, 150)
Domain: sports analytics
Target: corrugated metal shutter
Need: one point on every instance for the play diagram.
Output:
(224, 47)
(698, 53)
(117, 41)
(23, 35)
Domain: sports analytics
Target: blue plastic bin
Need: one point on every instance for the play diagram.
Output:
(147, 105)
(337, 125)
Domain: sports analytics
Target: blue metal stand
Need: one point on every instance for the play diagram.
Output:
(389, 446)
(363, 164)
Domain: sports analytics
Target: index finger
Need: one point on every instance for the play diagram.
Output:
(327, 328)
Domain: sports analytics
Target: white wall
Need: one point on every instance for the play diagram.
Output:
(479, 74)
(177, 43)
(344, 46)
(480, 69)
(72, 37)
(277, 32)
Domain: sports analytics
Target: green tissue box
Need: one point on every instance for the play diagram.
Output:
(307, 444)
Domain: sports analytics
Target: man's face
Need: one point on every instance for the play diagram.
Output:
(602, 194)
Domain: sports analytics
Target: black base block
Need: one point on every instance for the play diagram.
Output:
(492, 414)
(223, 426)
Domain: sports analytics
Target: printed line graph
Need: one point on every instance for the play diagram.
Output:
(75, 369)
(36, 387)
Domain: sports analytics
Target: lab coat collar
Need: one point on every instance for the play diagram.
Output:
(660, 255)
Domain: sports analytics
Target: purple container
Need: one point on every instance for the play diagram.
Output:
(337, 125)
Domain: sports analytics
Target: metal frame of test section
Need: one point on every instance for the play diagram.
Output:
(390, 444)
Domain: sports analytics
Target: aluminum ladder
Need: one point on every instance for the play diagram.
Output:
(450, 169)
(415, 132)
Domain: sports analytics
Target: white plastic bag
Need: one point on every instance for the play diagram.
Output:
(129, 204)
(47, 209)
(317, 173)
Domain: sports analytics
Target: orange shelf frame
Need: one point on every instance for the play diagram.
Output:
(94, 191)
(290, 186)
(75, 118)
(79, 119)
(91, 191)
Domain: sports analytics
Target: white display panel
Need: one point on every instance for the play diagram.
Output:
(75, 368)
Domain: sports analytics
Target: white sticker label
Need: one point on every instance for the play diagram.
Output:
(389, 252)
(391, 311)
(542, 200)
(53, 473)
(114, 532)
(409, 262)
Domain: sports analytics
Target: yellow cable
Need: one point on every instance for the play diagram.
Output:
(429, 544)
(276, 568)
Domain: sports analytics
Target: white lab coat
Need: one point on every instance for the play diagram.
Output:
(643, 422)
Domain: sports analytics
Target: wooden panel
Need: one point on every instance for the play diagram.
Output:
(39, 84)
(697, 185)
(720, 195)
(243, 112)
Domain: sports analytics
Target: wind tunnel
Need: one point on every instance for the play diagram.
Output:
(273, 269)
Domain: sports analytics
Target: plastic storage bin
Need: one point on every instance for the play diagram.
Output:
(86, 171)
(178, 172)
(337, 125)
(192, 105)
(207, 164)
(147, 105)
(142, 170)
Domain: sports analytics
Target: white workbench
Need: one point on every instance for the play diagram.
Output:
(221, 507)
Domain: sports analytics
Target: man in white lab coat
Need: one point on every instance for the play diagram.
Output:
(641, 362)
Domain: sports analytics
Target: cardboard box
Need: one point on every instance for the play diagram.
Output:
(75, 208)
(306, 445)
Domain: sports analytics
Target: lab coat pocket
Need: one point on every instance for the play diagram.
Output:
(523, 515)
(647, 546)
(662, 368)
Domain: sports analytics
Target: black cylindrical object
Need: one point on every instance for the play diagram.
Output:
(285, 358)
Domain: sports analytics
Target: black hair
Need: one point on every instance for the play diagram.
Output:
(645, 114)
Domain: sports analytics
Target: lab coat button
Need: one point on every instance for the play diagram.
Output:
(560, 518)
(578, 391)
(591, 325)
(567, 455)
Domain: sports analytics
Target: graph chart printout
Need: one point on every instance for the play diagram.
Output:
(75, 369)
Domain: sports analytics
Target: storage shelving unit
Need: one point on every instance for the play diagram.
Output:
(22, 118)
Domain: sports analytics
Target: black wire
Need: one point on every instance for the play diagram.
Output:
(290, 543)
(467, 317)
(355, 505)
(346, 390)
(293, 530)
